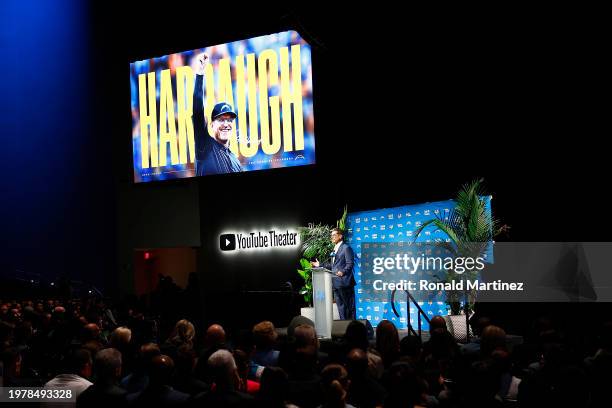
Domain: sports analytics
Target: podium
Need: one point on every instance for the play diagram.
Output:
(323, 301)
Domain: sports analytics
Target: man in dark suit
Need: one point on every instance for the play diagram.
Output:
(342, 261)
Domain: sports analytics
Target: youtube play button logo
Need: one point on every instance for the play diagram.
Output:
(227, 242)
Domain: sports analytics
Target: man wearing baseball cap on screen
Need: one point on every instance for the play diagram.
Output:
(213, 155)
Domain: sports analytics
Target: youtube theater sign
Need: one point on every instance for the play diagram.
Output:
(266, 239)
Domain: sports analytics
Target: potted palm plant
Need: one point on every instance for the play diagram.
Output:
(315, 245)
(470, 229)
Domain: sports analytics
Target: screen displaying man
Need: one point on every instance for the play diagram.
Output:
(342, 261)
(213, 155)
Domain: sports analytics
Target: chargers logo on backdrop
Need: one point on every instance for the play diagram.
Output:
(403, 222)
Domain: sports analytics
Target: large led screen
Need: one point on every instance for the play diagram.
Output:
(240, 106)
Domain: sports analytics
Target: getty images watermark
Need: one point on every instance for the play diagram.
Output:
(500, 272)
(456, 266)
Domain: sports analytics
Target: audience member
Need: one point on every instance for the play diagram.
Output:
(76, 372)
(158, 392)
(226, 383)
(105, 392)
(335, 383)
(264, 337)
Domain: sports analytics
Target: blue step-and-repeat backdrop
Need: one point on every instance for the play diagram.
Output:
(395, 225)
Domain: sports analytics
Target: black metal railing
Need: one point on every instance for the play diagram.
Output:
(420, 312)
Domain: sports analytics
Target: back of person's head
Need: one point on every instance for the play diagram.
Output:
(223, 369)
(215, 336)
(479, 323)
(91, 331)
(545, 331)
(387, 341)
(306, 339)
(442, 345)
(120, 337)
(437, 322)
(297, 321)
(493, 338)
(243, 340)
(356, 335)
(482, 383)
(274, 386)
(78, 362)
(160, 370)
(264, 335)
(185, 359)
(357, 363)
(403, 385)
(183, 332)
(242, 364)
(108, 365)
(146, 353)
(93, 347)
(335, 382)
(502, 361)
(411, 346)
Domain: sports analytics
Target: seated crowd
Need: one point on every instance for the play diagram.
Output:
(123, 361)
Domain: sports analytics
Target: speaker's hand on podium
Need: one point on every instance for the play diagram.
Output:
(315, 263)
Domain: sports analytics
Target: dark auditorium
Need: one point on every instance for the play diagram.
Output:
(297, 206)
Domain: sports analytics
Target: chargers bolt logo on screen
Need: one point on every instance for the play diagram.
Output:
(227, 242)
(270, 239)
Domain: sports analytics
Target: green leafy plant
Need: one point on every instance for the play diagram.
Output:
(306, 274)
(315, 245)
(341, 223)
(316, 242)
(470, 229)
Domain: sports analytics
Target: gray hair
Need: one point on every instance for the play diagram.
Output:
(120, 336)
(107, 362)
(223, 365)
